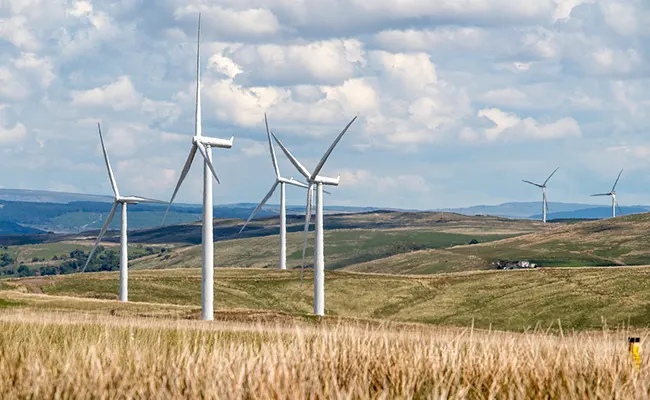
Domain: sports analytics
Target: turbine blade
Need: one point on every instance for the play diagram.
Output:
(147, 200)
(101, 234)
(186, 169)
(297, 183)
(620, 211)
(108, 164)
(197, 112)
(291, 158)
(307, 221)
(601, 194)
(259, 206)
(204, 152)
(532, 183)
(320, 164)
(273, 157)
(619, 177)
(549, 177)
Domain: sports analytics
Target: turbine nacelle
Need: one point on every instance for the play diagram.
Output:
(213, 142)
(327, 180)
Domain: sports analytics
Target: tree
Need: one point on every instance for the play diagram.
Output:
(24, 270)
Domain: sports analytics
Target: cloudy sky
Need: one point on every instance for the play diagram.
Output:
(457, 100)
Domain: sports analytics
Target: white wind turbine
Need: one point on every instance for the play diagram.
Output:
(612, 193)
(123, 200)
(543, 187)
(279, 180)
(204, 145)
(319, 181)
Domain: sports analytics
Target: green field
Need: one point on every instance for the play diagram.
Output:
(343, 248)
(621, 241)
(581, 298)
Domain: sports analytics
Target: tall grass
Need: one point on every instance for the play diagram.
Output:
(79, 356)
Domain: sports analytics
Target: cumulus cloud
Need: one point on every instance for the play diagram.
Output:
(365, 179)
(425, 79)
(11, 130)
(510, 126)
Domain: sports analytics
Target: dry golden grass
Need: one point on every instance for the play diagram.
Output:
(82, 356)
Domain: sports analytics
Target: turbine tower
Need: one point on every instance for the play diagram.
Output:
(315, 179)
(279, 180)
(612, 193)
(119, 200)
(543, 187)
(204, 145)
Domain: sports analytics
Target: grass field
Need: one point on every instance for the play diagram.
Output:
(342, 248)
(582, 298)
(621, 241)
(63, 356)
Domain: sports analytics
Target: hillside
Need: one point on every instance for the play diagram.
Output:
(619, 241)
(349, 238)
(512, 300)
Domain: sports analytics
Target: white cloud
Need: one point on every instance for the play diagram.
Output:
(507, 96)
(423, 76)
(11, 130)
(10, 86)
(40, 68)
(326, 62)
(509, 125)
(231, 22)
(252, 148)
(563, 8)
(621, 16)
(119, 95)
(16, 31)
(469, 38)
(365, 179)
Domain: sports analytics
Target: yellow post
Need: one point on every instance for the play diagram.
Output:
(634, 343)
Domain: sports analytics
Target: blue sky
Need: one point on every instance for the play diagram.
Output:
(457, 101)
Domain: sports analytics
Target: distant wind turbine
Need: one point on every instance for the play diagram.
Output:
(279, 180)
(612, 193)
(123, 200)
(319, 247)
(543, 187)
(204, 145)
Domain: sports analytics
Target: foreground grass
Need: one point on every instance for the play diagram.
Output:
(582, 298)
(64, 356)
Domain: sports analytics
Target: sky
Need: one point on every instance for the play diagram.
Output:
(457, 101)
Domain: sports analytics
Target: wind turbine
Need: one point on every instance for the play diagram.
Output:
(319, 181)
(203, 144)
(543, 187)
(279, 180)
(612, 193)
(119, 200)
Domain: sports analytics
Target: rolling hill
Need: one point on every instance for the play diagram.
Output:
(73, 213)
(581, 298)
(619, 241)
(351, 238)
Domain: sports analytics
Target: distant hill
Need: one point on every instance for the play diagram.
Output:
(593, 213)
(518, 209)
(46, 196)
(72, 213)
(532, 210)
(11, 228)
